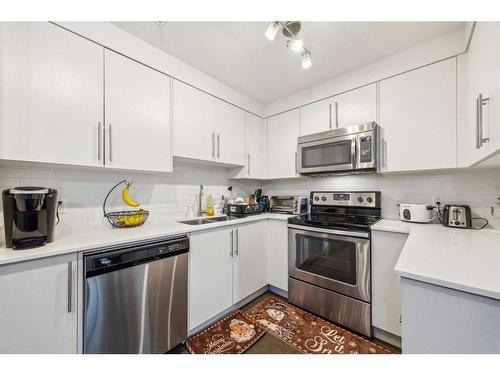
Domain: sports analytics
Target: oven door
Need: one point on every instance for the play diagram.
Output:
(327, 155)
(332, 259)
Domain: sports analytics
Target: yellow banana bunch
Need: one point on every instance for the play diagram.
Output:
(126, 198)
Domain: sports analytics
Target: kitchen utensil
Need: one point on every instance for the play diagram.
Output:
(416, 213)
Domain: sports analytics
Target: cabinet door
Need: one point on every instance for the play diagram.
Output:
(50, 94)
(316, 117)
(230, 138)
(418, 118)
(250, 261)
(255, 148)
(38, 312)
(193, 123)
(210, 275)
(282, 131)
(137, 116)
(278, 254)
(354, 107)
(475, 71)
(386, 285)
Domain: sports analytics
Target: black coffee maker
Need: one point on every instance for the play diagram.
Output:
(29, 216)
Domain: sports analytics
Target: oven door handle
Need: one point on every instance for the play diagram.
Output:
(329, 231)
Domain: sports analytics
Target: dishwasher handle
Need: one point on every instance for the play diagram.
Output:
(113, 260)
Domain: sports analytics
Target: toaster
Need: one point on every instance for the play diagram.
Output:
(457, 216)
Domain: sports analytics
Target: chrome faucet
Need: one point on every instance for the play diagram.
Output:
(201, 211)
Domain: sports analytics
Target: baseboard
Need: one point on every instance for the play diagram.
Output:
(387, 337)
(228, 311)
(278, 291)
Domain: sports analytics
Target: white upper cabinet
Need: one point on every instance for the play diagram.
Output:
(230, 137)
(282, 133)
(193, 114)
(418, 115)
(137, 106)
(354, 107)
(51, 97)
(316, 117)
(478, 72)
(206, 128)
(255, 148)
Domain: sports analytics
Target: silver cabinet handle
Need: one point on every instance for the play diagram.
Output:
(99, 141)
(213, 145)
(248, 169)
(296, 162)
(70, 287)
(218, 145)
(336, 115)
(110, 143)
(232, 243)
(330, 115)
(480, 102)
(237, 242)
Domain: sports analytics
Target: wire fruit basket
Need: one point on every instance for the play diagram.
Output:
(124, 219)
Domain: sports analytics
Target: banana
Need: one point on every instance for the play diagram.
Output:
(126, 198)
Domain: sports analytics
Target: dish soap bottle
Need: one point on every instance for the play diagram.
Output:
(210, 206)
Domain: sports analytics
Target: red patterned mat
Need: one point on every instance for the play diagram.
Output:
(232, 335)
(307, 332)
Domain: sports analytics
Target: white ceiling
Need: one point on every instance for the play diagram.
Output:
(238, 54)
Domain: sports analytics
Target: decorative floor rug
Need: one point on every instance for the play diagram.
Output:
(306, 332)
(232, 335)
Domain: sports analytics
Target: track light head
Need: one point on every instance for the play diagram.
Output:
(272, 30)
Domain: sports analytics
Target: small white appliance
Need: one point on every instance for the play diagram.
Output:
(416, 213)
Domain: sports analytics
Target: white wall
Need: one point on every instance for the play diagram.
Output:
(440, 48)
(168, 196)
(477, 188)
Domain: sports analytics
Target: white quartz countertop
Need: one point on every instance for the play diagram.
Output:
(464, 259)
(70, 241)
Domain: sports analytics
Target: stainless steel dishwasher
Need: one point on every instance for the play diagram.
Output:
(136, 298)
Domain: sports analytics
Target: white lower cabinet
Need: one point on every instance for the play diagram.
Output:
(250, 259)
(438, 320)
(277, 253)
(210, 274)
(226, 266)
(386, 286)
(39, 308)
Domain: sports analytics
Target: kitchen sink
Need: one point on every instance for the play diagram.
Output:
(197, 221)
(205, 220)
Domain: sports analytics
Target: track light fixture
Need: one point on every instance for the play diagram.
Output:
(290, 30)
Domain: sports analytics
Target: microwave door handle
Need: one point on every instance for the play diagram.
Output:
(353, 152)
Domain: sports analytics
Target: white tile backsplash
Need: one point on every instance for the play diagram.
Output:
(175, 195)
(478, 188)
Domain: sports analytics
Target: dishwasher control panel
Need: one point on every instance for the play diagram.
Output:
(128, 256)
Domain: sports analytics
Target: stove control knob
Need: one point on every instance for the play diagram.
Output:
(360, 199)
(323, 198)
(316, 198)
(369, 199)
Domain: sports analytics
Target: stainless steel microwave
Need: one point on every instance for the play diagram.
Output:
(351, 149)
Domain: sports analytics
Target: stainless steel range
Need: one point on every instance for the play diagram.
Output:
(329, 257)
